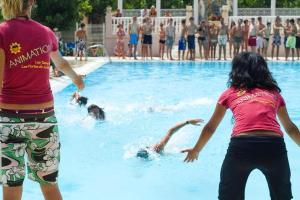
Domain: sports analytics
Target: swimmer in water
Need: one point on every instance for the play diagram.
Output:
(80, 100)
(159, 147)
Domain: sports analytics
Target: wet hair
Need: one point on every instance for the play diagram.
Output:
(249, 71)
(82, 25)
(13, 8)
(142, 153)
(96, 112)
(82, 101)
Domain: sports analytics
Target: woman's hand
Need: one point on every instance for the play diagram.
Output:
(191, 156)
(79, 83)
(195, 121)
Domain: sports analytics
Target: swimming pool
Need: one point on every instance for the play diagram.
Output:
(98, 158)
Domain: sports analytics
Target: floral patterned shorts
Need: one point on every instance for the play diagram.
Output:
(35, 135)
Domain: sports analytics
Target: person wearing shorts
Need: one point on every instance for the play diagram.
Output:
(223, 36)
(257, 142)
(238, 35)
(182, 40)
(148, 27)
(28, 126)
(252, 35)
(260, 36)
(276, 36)
(291, 40)
(170, 31)
(298, 39)
(133, 37)
(191, 30)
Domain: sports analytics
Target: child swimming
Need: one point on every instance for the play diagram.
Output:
(159, 147)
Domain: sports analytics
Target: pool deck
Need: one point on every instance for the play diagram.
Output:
(81, 67)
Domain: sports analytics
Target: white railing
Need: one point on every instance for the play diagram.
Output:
(254, 12)
(125, 21)
(288, 11)
(265, 19)
(137, 12)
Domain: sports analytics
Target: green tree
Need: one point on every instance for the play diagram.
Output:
(62, 14)
(99, 9)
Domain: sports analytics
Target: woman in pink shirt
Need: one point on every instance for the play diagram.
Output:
(257, 141)
(27, 120)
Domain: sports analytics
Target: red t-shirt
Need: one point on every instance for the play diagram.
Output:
(253, 110)
(27, 46)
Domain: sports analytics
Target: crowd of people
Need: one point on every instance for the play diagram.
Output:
(241, 36)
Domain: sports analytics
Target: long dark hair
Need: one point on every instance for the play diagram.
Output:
(249, 71)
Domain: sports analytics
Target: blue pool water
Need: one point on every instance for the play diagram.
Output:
(98, 158)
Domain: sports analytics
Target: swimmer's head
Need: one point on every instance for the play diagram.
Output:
(143, 153)
(82, 101)
(96, 112)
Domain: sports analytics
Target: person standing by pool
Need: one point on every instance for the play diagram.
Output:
(147, 39)
(252, 35)
(245, 35)
(213, 41)
(291, 40)
(298, 39)
(120, 45)
(276, 36)
(81, 38)
(237, 37)
(223, 37)
(182, 40)
(267, 35)
(27, 121)
(162, 41)
(170, 30)
(257, 140)
(134, 36)
(191, 30)
(160, 146)
(287, 29)
(201, 38)
(232, 27)
(260, 36)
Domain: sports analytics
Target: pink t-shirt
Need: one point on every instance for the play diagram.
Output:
(27, 46)
(253, 110)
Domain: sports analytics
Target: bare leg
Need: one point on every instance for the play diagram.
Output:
(277, 53)
(12, 193)
(220, 51)
(293, 54)
(272, 52)
(150, 49)
(224, 50)
(51, 192)
(183, 52)
(287, 53)
(179, 55)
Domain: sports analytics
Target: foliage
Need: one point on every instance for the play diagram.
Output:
(267, 3)
(139, 4)
(99, 9)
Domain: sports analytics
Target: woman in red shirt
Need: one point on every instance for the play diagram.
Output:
(257, 141)
(27, 120)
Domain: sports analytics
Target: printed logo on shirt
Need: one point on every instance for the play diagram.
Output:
(15, 48)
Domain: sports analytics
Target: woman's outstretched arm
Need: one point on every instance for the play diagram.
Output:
(206, 133)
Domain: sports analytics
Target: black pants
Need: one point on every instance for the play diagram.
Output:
(244, 154)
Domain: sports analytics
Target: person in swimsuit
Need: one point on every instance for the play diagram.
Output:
(152, 12)
(276, 36)
(257, 141)
(237, 37)
(232, 27)
(120, 45)
(291, 40)
(252, 35)
(267, 35)
(162, 41)
(143, 46)
(148, 28)
(133, 36)
(246, 28)
(182, 40)
(260, 36)
(298, 39)
(213, 41)
(287, 30)
(223, 37)
(191, 30)
(201, 37)
(81, 38)
(29, 135)
(206, 42)
(144, 153)
(170, 30)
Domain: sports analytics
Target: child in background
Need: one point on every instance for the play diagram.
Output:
(213, 41)
(170, 30)
(182, 40)
(246, 35)
(191, 30)
(267, 35)
(291, 40)
(162, 41)
(276, 36)
(120, 47)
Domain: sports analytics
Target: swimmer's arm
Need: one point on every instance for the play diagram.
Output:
(291, 129)
(206, 133)
(65, 67)
(2, 64)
